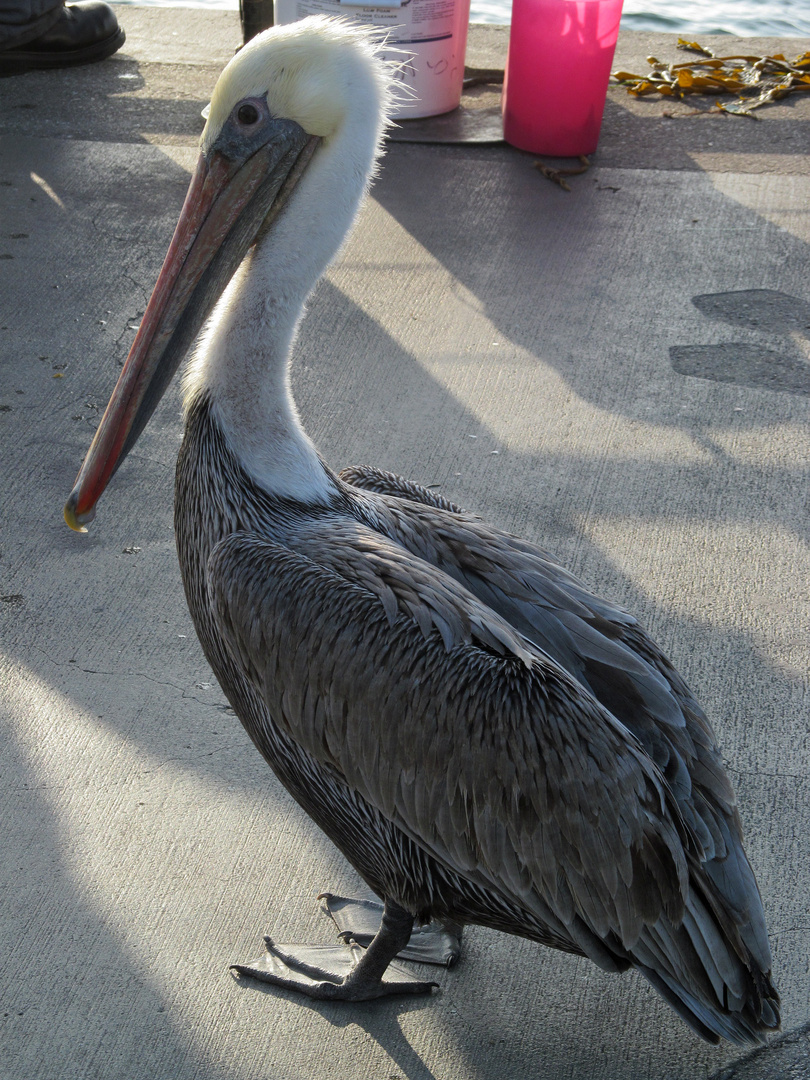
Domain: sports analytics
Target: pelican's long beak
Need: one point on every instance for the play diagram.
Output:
(230, 200)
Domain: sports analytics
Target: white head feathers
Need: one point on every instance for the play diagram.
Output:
(321, 72)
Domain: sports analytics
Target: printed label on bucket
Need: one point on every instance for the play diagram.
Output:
(428, 40)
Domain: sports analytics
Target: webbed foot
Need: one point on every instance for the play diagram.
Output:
(342, 972)
(329, 972)
(435, 943)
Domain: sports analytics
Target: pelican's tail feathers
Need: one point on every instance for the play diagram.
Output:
(707, 970)
(709, 1022)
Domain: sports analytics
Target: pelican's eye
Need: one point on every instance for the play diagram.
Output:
(247, 114)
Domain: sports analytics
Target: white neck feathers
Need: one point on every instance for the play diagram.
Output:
(242, 361)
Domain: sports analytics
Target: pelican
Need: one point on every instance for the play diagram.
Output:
(485, 740)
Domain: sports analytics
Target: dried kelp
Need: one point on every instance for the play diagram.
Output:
(557, 176)
(755, 80)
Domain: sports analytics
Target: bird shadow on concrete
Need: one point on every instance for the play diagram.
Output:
(591, 254)
(381, 1020)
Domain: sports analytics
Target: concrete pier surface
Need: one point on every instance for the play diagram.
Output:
(620, 373)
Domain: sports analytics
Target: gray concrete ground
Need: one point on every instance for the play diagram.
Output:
(619, 372)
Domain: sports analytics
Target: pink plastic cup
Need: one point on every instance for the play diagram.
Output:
(557, 70)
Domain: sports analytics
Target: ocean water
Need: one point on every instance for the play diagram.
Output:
(747, 18)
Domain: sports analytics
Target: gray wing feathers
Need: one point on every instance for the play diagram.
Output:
(391, 700)
(606, 650)
(487, 754)
(408, 585)
(387, 483)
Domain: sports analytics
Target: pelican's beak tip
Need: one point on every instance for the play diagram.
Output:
(76, 521)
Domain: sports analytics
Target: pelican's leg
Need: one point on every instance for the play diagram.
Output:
(359, 920)
(343, 973)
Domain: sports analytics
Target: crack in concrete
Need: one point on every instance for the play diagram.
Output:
(105, 782)
(762, 772)
(785, 1058)
(219, 706)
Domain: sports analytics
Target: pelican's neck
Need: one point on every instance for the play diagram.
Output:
(242, 362)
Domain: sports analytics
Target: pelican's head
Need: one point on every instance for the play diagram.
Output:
(299, 113)
(326, 74)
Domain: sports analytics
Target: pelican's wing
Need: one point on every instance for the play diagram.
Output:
(451, 725)
(381, 482)
(603, 647)
(484, 752)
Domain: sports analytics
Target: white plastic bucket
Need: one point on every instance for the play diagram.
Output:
(432, 32)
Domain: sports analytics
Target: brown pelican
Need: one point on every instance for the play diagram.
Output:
(484, 739)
